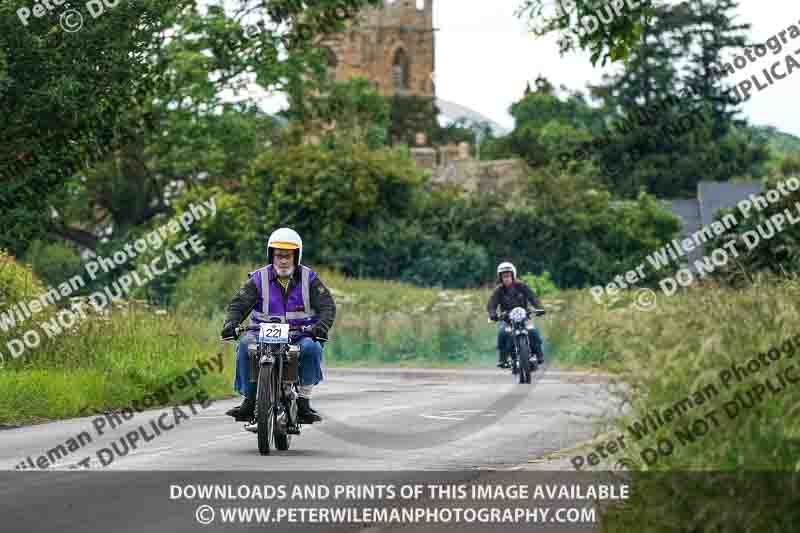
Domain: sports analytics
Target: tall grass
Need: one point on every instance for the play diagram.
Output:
(107, 364)
(670, 352)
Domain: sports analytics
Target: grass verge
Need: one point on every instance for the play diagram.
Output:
(737, 431)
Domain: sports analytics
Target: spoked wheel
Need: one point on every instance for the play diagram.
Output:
(265, 410)
(280, 418)
(524, 358)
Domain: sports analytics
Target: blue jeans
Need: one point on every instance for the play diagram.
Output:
(309, 366)
(505, 344)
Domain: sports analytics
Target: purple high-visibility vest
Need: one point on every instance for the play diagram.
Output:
(296, 310)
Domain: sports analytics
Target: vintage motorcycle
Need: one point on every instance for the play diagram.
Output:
(274, 355)
(518, 323)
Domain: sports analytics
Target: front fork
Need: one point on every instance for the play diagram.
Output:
(522, 338)
(287, 377)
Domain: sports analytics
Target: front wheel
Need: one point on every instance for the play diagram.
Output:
(524, 358)
(265, 405)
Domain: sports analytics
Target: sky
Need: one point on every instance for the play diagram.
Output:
(485, 57)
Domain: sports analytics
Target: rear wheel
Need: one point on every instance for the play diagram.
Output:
(265, 410)
(524, 357)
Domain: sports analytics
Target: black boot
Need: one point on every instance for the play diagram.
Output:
(243, 412)
(539, 355)
(305, 414)
(502, 360)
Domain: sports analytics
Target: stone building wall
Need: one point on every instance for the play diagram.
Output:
(478, 177)
(370, 46)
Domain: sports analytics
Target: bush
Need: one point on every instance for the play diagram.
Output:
(328, 195)
(567, 226)
(54, 263)
(778, 255)
(18, 283)
(208, 287)
(224, 237)
(404, 250)
(541, 285)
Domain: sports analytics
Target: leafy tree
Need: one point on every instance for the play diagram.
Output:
(410, 115)
(566, 225)
(541, 117)
(614, 40)
(60, 96)
(326, 194)
(668, 138)
(351, 111)
(67, 101)
(711, 32)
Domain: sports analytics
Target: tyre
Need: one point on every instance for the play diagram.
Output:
(265, 412)
(282, 440)
(524, 356)
(279, 414)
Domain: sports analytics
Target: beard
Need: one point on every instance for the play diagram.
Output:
(284, 272)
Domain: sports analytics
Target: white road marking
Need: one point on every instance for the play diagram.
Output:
(442, 417)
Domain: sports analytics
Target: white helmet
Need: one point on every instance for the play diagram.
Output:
(285, 239)
(506, 267)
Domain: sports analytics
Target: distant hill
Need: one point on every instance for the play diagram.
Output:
(783, 143)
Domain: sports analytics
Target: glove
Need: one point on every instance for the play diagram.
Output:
(319, 332)
(493, 317)
(228, 330)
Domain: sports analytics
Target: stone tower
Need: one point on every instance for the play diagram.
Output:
(392, 46)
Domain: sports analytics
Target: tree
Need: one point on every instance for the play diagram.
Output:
(60, 96)
(67, 100)
(327, 194)
(542, 116)
(711, 32)
(351, 111)
(579, 27)
(674, 131)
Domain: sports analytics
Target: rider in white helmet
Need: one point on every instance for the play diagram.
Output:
(286, 290)
(511, 293)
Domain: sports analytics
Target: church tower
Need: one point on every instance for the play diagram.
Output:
(392, 46)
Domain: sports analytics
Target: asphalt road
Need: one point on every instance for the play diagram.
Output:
(374, 420)
(387, 422)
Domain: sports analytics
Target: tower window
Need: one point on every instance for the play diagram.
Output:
(400, 70)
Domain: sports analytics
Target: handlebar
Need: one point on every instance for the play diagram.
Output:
(292, 331)
(504, 314)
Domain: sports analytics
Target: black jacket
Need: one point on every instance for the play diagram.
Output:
(321, 301)
(518, 295)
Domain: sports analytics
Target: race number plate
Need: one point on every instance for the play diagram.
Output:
(274, 333)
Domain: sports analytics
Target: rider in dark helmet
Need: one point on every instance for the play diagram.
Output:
(511, 293)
